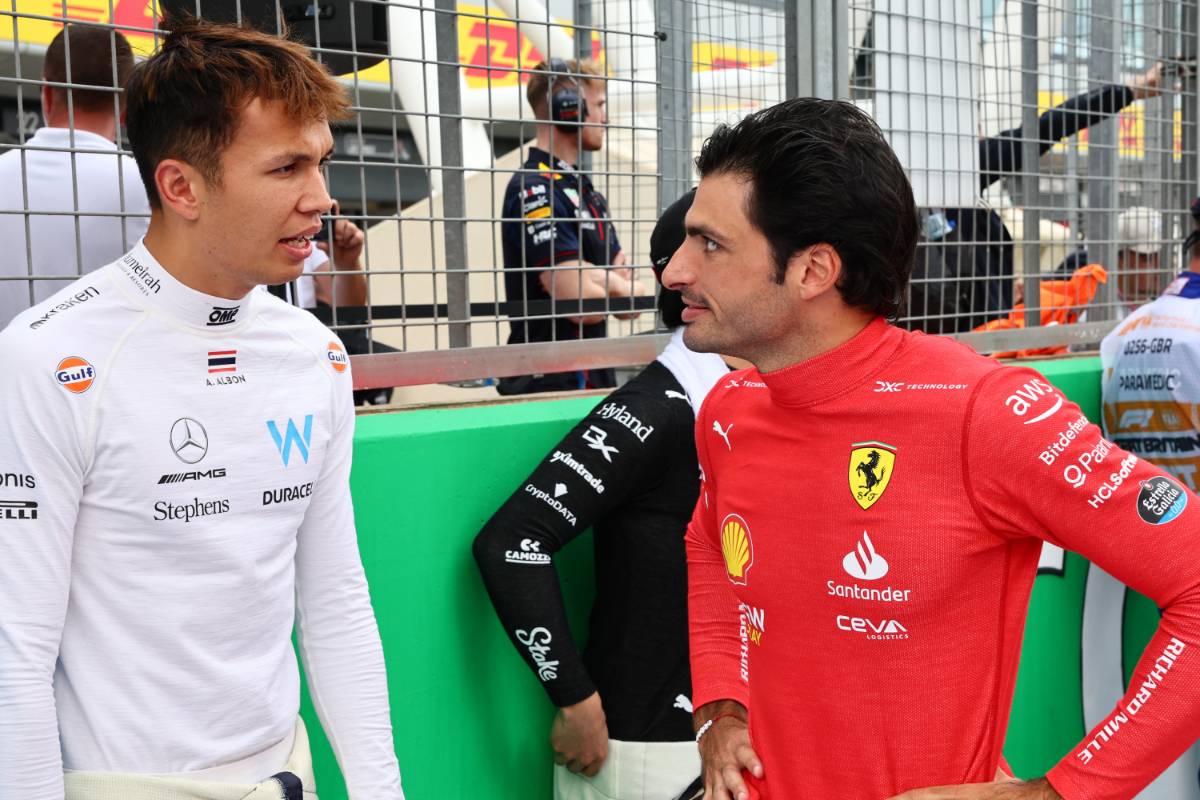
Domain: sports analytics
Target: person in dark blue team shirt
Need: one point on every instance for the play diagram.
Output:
(560, 245)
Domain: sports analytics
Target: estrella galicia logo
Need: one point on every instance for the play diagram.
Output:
(292, 436)
(1161, 500)
(189, 440)
(223, 315)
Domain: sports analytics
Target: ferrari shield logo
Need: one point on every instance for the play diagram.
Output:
(871, 465)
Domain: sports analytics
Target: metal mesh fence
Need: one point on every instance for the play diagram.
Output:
(1041, 138)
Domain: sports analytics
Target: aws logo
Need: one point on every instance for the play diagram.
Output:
(1023, 400)
(738, 548)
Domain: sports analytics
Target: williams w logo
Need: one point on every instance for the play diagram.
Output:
(292, 436)
(871, 466)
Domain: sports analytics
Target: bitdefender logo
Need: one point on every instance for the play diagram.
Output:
(530, 553)
(863, 562)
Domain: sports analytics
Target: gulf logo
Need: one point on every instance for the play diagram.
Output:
(337, 357)
(75, 374)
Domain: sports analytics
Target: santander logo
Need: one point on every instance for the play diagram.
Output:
(863, 562)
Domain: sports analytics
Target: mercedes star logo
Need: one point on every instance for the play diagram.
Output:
(189, 440)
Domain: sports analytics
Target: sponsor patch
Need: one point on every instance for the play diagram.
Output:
(75, 374)
(871, 466)
(18, 509)
(738, 549)
(337, 357)
(1161, 500)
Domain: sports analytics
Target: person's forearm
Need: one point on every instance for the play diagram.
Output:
(718, 708)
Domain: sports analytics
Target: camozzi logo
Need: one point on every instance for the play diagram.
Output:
(530, 553)
(863, 562)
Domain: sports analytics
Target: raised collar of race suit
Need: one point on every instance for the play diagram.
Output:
(836, 371)
(151, 285)
(540, 159)
(1186, 285)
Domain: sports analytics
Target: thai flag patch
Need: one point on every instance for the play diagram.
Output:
(222, 361)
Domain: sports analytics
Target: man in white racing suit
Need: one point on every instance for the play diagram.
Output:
(174, 463)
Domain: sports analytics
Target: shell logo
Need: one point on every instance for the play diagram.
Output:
(75, 374)
(337, 357)
(737, 547)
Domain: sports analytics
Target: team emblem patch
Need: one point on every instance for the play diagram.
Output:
(75, 374)
(871, 467)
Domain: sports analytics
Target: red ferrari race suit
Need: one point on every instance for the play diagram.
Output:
(862, 553)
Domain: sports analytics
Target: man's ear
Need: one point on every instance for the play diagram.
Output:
(814, 271)
(180, 187)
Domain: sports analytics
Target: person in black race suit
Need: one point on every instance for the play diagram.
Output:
(628, 470)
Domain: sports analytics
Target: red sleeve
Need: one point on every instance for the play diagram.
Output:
(713, 608)
(1036, 467)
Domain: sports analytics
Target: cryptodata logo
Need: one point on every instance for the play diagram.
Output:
(292, 436)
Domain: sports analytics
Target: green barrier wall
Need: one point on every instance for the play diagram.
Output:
(470, 720)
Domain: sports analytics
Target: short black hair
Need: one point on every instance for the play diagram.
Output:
(821, 171)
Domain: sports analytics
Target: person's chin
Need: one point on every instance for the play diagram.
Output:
(699, 339)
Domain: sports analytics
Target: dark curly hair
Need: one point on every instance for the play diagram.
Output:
(821, 171)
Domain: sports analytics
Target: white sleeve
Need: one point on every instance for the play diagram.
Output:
(339, 640)
(41, 481)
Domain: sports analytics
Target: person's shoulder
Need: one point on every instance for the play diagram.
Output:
(940, 358)
(740, 385)
(305, 328)
(655, 394)
(73, 328)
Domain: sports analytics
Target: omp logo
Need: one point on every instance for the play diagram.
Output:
(1135, 418)
(223, 315)
(873, 629)
(1023, 400)
(75, 374)
(537, 641)
(863, 562)
(337, 357)
(292, 436)
(737, 547)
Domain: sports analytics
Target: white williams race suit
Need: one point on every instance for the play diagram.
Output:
(174, 498)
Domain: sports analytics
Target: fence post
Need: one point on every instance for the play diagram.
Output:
(674, 68)
(1031, 162)
(454, 198)
(1103, 161)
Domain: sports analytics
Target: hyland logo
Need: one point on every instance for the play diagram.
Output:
(871, 466)
(872, 629)
(337, 357)
(1022, 401)
(223, 364)
(189, 441)
(538, 642)
(18, 509)
(75, 374)
(863, 562)
(622, 415)
(530, 553)
(738, 548)
(1161, 500)
(292, 436)
(597, 439)
(223, 315)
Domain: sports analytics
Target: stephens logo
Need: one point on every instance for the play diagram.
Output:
(1161, 500)
(284, 441)
(871, 465)
(530, 553)
(189, 511)
(538, 642)
(1024, 399)
(223, 315)
(189, 441)
(738, 548)
(75, 374)
(18, 509)
(863, 562)
(337, 357)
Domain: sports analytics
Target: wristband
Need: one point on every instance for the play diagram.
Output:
(704, 728)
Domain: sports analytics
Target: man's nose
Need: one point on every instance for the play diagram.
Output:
(678, 272)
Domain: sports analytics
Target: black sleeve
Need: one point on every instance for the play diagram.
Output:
(1001, 155)
(592, 471)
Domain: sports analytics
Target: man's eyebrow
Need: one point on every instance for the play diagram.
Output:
(700, 229)
(297, 158)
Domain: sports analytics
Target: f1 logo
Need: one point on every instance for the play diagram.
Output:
(284, 442)
(597, 439)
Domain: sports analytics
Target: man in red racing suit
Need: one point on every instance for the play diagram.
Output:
(874, 502)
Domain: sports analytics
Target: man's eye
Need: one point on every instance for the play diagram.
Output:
(286, 170)
(710, 246)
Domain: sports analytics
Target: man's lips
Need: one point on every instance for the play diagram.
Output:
(692, 310)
